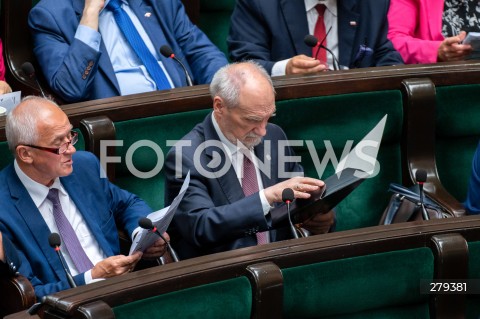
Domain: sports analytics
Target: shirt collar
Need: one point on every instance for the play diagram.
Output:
(37, 191)
(229, 146)
(330, 4)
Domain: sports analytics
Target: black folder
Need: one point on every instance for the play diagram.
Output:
(337, 187)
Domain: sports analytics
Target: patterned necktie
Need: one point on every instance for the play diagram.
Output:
(320, 34)
(69, 237)
(250, 186)
(133, 37)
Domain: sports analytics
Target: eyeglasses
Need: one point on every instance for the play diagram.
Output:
(73, 137)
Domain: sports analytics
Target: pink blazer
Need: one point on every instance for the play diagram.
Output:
(2, 64)
(415, 29)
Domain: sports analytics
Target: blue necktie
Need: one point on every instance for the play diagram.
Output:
(133, 37)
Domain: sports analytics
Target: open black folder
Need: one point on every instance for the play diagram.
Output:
(337, 187)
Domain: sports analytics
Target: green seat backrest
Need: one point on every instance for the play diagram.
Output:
(7, 156)
(156, 130)
(473, 301)
(383, 285)
(215, 21)
(338, 119)
(231, 298)
(458, 134)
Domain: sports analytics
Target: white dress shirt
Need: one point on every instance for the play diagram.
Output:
(330, 18)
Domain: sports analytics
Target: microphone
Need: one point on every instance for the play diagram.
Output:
(421, 177)
(146, 223)
(288, 197)
(55, 241)
(312, 42)
(29, 71)
(167, 52)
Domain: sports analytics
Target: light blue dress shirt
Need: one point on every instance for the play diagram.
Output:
(132, 76)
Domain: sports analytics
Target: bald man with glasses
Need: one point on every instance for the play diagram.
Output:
(52, 188)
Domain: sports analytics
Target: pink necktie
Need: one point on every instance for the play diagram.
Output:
(320, 34)
(69, 237)
(250, 186)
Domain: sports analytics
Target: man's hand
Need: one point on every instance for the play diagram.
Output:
(157, 249)
(304, 64)
(320, 223)
(451, 49)
(115, 266)
(4, 87)
(91, 11)
(302, 187)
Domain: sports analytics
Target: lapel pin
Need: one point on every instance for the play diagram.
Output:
(353, 23)
(148, 14)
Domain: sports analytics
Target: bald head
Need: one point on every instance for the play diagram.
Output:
(232, 79)
(27, 118)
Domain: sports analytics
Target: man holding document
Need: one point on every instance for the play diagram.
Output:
(51, 188)
(229, 206)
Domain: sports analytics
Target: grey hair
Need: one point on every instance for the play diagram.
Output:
(21, 127)
(229, 79)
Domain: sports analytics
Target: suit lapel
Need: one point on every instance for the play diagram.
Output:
(33, 219)
(294, 14)
(347, 32)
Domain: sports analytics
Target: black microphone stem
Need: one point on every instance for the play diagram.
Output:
(292, 228)
(422, 204)
(67, 271)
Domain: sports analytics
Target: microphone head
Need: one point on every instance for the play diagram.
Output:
(421, 175)
(287, 195)
(310, 40)
(28, 69)
(54, 240)
(145, 223)
(167, 51)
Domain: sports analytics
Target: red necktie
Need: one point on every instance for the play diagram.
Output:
(320, 34)
(250, 186)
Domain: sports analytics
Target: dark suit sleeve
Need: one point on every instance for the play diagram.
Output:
(204, 218)
(385, 54)
(249, 37)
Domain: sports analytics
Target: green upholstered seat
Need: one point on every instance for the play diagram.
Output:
(383, 285)
(157, 130)
(215, 21)
(341, 118)
(458, 134)
(230, 298)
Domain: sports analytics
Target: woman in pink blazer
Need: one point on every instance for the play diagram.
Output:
(415, 28)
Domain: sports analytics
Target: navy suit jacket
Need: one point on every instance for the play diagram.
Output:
(76, 72)
(273, 30)
(214, 214)
(12, 262)
(103, 205)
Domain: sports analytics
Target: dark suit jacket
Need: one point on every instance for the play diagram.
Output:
(215, 215)
(76, 72)
(273, 30)
(103, 205)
